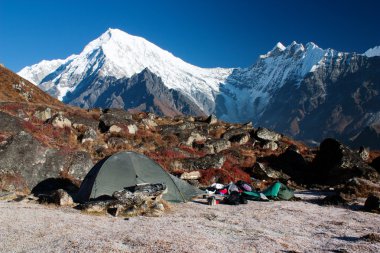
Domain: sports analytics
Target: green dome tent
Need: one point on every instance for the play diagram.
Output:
(126, 169)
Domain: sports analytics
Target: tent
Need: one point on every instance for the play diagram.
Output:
(275, 191)
(126, 169)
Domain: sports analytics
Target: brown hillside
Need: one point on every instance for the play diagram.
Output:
(16, 89)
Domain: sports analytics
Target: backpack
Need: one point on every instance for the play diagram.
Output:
(232, 199)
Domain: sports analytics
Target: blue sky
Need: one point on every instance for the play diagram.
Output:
(203, 32)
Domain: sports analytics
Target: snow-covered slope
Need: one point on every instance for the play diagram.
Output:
(375, 51)
(247, 91)
(119, 55)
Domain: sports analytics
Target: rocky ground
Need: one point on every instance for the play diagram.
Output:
(279, 226)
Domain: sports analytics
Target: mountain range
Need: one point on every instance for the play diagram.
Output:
(302, 90)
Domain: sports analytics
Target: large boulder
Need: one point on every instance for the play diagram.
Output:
(264, 172)
(216, 146)
(24, 156)
(9, 123)
(264, 134)
(112, 117)
(44, 114)
(372, 203)
(89, 135)
(60, 121)
(335, 163)
(237, 135)
(203, 163)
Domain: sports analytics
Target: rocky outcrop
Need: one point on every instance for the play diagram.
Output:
(266, 135)
(9, 123)
(336, 163)
(203, 163)
(23, 155)
(60, 121)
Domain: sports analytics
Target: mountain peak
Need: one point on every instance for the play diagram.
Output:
(375, 51)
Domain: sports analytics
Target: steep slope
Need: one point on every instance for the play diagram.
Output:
(144, 91)
(116, 54)
(16, 89)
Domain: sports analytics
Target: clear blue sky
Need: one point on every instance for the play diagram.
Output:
(203, 32)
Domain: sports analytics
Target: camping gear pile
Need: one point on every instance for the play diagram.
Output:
(240, 192)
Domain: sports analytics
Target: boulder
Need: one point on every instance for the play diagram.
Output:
(114, 129)
(264, 134)
(193, 175)
(212, 119)
(9, 123)
(216, 146)
(376, 164)
(43, 114)
(271, 145)
(132, 128)
(26, 158)
(364, 153)
(336, 163)
(116, 142)
(203, 163)
(372, 203)
(238, 135)
(195, 137)
(62, 198)
(89, 135)
(149, 123)
(360, 188)
(60, 121)
(111, 117)
(264, 172)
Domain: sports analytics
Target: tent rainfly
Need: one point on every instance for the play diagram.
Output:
(126, 169)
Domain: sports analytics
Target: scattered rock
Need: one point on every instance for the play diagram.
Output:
(271, 145)
(89, 135)
(43, 115)
(114, 129)
(264, 172)
(372, 203)
(149, 123)
(267, 135)
(216, 146)
(212, 119)
(372, 238)
(60, 121)
(334, 200)
(195, 137)
(360, 188)
(239, 136)
(203, 163)
(193, 175)
(364, 153)
(337, 163)
(62, 198)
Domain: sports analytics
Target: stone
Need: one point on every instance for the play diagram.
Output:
(132, 128)
(195, 137)
(193, 175)
(60, 121)
(9, 123)
(203, 163)
(114, 129)
(364, 153)
(360, 188)
(271, 145)
(212, 119)
(216, 146)
(116, 142)
(372, 203)
(336, 163)
(62, 198)
(149, 123)
(267, 135)
(89, 135)
(111, 117)
(43, 115)
(264, 172)
(238, 135)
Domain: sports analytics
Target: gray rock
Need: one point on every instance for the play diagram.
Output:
(195, 137)
(267, 135)
(116, 142)
(44, 114)
(203, 163)
(193, 175)
(364, 153)
(89, 135)
(9, 123)
(264, 172)
(216, 146)
(212, 119)
(60, 121)
(149, 123)
(271, 145)
(372, 203)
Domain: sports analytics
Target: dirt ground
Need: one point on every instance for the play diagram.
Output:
(279, 226)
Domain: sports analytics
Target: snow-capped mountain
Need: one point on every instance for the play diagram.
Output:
(120, 55)
(302, 90)
(375, 51)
